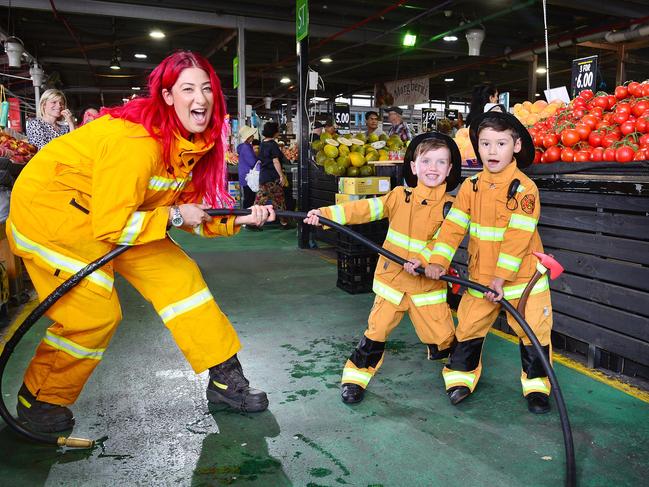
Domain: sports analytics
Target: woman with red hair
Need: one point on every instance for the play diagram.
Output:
(125, 179)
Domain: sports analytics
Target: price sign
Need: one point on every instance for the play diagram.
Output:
(428, 117)
(452, 115)
(584, 75)
(341, 115)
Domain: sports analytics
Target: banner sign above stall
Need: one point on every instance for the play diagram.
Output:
(402, 92)
(584, 75)
(341, 115)
(301, 19)
(428, 117)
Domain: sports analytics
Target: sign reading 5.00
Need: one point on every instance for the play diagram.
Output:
(584, 75)
(341, 115)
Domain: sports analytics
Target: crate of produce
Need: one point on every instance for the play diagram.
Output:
(356, 272)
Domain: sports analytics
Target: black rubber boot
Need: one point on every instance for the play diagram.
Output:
(458, 394)
(229, 386)
(351, 393)
(538, 403)
(41, 416)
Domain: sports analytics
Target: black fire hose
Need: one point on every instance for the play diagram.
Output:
(35, 315)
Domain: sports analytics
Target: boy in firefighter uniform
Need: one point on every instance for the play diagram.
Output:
(431, 168)
(500, 208)
(124, 179)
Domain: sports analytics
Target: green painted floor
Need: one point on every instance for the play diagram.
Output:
(297, 329)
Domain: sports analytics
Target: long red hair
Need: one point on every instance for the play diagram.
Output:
(209, 176)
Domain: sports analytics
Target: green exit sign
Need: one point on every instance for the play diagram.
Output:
(301, 19)
(235, 72)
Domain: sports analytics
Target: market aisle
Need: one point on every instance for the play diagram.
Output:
(297, 329)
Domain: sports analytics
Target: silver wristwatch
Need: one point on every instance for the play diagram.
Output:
(176, 217)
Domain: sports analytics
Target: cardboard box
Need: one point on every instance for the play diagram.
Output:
(368, 185)
(344, 198)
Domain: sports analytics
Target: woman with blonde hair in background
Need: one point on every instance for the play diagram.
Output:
(53, 119)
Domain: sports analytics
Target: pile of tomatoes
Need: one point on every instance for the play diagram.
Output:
(597, 127)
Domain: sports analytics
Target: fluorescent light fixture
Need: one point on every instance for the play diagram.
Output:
(449, 80)
(541, 70)
(136, 88)
(285, 80)
(450, 38)
(139, 55)
(114, 63)
(409, 39)
(157, 34)
(326, 60)
(537, 94)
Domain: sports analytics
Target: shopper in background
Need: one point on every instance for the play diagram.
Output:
(399, 127)
(317, 131)
(125, 179)
(53, 119)
(372, 120)
(482, 94)
(247, 161)
(330, 127)
(272, 179)
(88, 115)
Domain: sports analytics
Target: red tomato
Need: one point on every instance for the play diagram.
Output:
(583, 130)
(640, 155)
(590, 121)
(645, 90)
(620, 117)
(644, 141)
(610, 139)
(635, 89)
(601, 101)
(552, 154)
(570, 137)
(597, 112)
(567, 154)
(623, 108)
(597, 154)
(621, 92)
(608, 155)
(640, 107)
(611, 101)
(537, 156)
(538, 140)
(624, 153)
(549, 140)
(582, 156)
(627, 127)
(595, 138)
(586, 95)
(578, 103)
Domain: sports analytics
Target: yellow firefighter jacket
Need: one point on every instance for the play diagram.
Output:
(503, 233)
(415, 216)
(99, 186)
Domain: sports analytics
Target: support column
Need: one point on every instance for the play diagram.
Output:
(241, 89)
(532, 83)
(620, 72)
(302, 134)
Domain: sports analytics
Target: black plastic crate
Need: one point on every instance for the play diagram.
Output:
(356, 272)
(374, 231)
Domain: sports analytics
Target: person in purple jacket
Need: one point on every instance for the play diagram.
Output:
(247, 160)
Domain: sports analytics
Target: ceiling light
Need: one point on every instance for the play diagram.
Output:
(285, 80)
(537, 94)
(474, 37)
(157, 34)
(409, 39)
(14, 49)
(136, 88)
(541, 70)
(326, 60)
(449, 80)
(37, 74)
(114, 63)
(140, 55)
(450, 38)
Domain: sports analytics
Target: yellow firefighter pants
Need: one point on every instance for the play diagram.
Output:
(433, 324)
(475, 317)
(84, 321)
